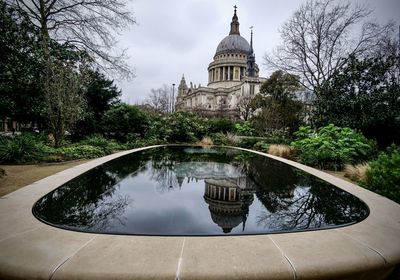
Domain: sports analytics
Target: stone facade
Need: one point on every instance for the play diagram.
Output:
(232, 75)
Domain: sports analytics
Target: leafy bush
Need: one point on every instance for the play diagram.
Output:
(244, 128)
(261, 146)
(79, 151)
(219, 139)
(332, 147)
(137, 142)
(97, 140)
(220, 125)
(123, 119)
(383, 176)
(248, 142)
(178, 127)
(278, 140)
(21, 148)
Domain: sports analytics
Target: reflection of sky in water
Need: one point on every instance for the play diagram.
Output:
(207, 170)
(183, 197)
(200, 150)
(176, 208)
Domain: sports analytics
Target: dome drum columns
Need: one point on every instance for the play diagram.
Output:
(226, 73)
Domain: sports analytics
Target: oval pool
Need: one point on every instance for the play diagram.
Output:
(188, 190)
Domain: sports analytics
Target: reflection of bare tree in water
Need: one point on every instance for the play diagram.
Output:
(287, 205)
(295, 200)
(107, 210)
(297, 212)
(165, 177)
(86, 201)
(314, 204)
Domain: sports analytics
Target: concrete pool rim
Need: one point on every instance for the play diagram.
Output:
(37, 216)
(30, 249)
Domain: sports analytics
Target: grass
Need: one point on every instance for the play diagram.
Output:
(284, 151)
(206, 141)
(356, 172)
(18, 176)
(232, 138)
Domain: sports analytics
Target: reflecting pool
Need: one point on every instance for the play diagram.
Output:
(187, 190)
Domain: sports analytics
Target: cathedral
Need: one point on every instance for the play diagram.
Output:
(233, 79)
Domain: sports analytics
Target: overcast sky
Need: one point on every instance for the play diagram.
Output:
(178, 37)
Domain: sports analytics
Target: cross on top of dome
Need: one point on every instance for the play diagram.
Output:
(234, 23)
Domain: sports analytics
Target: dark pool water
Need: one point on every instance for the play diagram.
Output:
(180, 190)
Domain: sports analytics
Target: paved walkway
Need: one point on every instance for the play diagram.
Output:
(30, 249)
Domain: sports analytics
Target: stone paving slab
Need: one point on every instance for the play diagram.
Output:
(124, 257)
(37, 253)
(318, 254)
(31, 249)
(236, 257)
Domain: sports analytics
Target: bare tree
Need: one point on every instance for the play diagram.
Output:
(160, 99)
(245, 107)
(64, 102)
(89, 25)
(317, 40)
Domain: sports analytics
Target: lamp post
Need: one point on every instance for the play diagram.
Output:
(173, 98)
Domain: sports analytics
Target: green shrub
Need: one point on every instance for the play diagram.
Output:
(383, 176)
(244, 128)
(247, 142)
(137, 142)
(79, 151)
(97, 140)
(261, 146)
(178, 127)
(123, 119)
(228, 139)
(216, 125)
(219, 139)
(277, 140)
(21, 148)
(332, 147)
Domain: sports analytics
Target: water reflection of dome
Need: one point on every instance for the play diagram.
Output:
(226, 222)
(229, 201)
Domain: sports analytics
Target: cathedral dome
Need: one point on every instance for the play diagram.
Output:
(233, 43)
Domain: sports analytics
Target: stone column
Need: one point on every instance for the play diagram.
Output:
(236, 74)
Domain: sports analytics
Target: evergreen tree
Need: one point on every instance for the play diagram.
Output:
(20, 66)
(101, 94)
(278, 110)
(364, 95)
